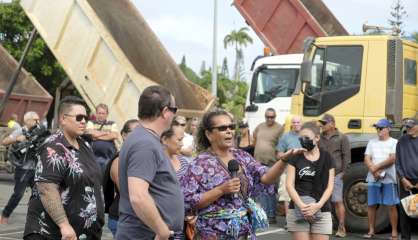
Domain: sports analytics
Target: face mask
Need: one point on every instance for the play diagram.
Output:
(307, 143)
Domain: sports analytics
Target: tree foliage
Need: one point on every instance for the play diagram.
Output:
(397, 16)
(238, 39)
(414, 37)
(231, 94)
(224, 68)
(15, 30)
(202, 68)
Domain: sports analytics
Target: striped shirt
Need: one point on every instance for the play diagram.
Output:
(183, 166)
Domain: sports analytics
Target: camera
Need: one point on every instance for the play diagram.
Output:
(21, 152)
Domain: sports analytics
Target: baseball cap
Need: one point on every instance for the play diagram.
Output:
(327, 118)
(382, 123)
(411, 122)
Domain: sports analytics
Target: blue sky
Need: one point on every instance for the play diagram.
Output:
(185, 26)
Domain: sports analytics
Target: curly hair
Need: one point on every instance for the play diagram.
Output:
(206, 124)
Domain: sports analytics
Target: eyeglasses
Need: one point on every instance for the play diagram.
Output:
(78, 117)
(270, 117)
(223, 128)
(379, 128)
(172, 109)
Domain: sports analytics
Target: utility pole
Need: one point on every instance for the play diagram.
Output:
(214, 53)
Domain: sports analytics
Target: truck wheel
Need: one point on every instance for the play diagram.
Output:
(355, 201)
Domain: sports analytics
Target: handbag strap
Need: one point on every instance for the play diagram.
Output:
(243, 191)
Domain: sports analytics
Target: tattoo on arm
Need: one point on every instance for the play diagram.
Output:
(51, 200)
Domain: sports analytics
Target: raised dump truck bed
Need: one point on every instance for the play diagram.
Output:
(283, 25)
(27, 95)
(111, 54)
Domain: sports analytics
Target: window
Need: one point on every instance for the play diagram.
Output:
(410, 72)
(275, 82)
(336, 75)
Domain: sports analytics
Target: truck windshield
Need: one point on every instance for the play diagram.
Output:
(275, 82)
(336, 75)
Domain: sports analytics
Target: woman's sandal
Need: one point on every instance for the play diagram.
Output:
(393, 238)
(368, 236)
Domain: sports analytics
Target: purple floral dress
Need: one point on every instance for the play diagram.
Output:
(205, 173)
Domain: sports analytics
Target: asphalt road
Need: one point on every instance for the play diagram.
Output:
(14, 230)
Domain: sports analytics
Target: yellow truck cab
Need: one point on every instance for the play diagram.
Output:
(359, 80)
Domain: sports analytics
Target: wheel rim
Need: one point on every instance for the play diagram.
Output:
(356, 198)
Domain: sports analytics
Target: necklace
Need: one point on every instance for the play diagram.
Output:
(152, 132)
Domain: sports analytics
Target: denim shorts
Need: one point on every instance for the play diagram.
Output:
(337, 193)
(322, 226)
(382, 193)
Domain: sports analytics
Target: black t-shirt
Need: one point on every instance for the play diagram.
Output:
(111, 193)
(79, 179)
(311, 177)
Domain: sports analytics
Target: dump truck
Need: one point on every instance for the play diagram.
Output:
(111, 55)
(282, 26)
(27, 95)
(359, 80)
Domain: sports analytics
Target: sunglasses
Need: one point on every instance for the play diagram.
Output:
(270, 117)
(223, 128)
(172, 109)
(78, 117)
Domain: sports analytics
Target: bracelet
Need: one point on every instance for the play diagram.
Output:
(283, 160)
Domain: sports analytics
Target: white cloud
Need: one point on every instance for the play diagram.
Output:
(185, 26)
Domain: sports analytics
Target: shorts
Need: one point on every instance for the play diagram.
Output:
(282, 192)
(322, 226)
(337, 193)
(382, 193)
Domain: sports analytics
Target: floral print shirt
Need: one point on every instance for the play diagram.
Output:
(204, 173)
(78, 176)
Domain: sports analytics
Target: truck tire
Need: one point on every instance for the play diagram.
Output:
(355, 201)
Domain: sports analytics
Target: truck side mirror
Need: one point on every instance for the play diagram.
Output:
(253, 88)
(251, 108)
(306, 70)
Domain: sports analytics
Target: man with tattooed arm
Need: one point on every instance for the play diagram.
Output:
(67, 201)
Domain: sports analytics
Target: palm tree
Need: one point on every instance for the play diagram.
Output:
(238, 39)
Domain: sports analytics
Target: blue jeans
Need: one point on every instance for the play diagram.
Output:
(268, 203)
(112, 224)
(23, 179)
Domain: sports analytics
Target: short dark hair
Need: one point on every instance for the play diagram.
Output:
(312, 126)
(68, 102)
(167, 133)
(207, 124)
(127, 126)
(152, 101)
(271, 110)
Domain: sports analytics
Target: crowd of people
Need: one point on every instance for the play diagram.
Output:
(176, 178)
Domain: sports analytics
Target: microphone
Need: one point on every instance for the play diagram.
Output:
(233, 168)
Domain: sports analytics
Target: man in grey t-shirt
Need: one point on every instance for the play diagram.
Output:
(151, 202)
